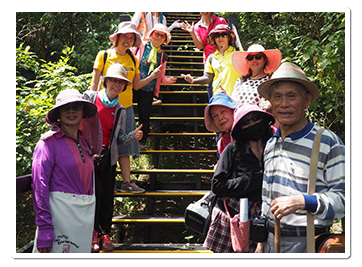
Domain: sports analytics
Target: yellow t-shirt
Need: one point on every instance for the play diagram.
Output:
(126, 97)
(222, 68)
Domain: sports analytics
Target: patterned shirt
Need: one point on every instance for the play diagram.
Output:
(287, 170)
(247, 91)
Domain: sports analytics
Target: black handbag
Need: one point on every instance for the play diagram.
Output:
(198, 215)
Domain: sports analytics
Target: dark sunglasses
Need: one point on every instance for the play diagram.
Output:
(257, 57)
(223, 34)
(75, 107)
(247, 121)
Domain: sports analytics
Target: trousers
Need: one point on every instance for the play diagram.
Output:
(105, 178)
(144, 100)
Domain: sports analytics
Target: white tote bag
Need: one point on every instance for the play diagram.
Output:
(72, 218)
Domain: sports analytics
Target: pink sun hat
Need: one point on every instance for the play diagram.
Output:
(127, 27)
(240, 62)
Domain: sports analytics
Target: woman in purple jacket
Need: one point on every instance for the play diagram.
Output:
(64, 200)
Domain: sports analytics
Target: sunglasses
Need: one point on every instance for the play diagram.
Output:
(247, 121)
(223, 34)
(257, 57)
(75, 107)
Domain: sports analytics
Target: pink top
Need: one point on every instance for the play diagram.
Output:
(202, 32)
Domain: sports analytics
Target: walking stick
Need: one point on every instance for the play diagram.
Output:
(277, 236)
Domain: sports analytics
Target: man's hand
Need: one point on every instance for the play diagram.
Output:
(282, 206)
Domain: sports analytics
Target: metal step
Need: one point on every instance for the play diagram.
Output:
(145, 219)
(178, 151)
(159, 248)
(163, 193)
(199, 171)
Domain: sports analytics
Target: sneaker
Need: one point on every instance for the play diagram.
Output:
(156, 101)
(95, 244)
(106, 243)
(132, 188)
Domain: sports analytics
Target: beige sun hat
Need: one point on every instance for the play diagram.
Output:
(288, 72)
(240, 62)
(118, 71)
(161, 28)
(127, 27)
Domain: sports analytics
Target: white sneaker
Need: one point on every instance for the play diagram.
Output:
(157, 101)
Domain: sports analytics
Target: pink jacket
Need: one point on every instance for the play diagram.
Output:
(162, 79)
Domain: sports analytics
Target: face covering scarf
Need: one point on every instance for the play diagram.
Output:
(254, 132)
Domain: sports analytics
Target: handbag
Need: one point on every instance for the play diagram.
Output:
(239, 232)
(324, 243)
(198, 215)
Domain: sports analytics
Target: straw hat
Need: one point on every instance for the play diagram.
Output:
(288, 72)
(220, 99)
(68, 96)
(219, 29)
(240, 63)
(161, 28)
(127, 27)
(118, 71)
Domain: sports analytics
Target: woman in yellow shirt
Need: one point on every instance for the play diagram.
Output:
(125, 38)
(218, 66)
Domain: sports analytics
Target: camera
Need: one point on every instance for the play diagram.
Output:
(259, 232)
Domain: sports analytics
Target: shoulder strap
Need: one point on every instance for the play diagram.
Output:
(132, 57)
(105, 56)
(311, 189)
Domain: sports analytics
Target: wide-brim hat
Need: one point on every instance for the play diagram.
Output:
(127, 27)
(68, 96)
(118, 71)
(247, 108)
(240, 63)
(219, 29)
(288, 72)
(161, 28)
(218, 99)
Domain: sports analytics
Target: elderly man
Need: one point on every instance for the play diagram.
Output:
(287, 162)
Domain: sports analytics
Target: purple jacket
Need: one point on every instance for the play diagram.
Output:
(58, 166)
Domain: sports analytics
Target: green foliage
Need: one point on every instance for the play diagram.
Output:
(34, 98)
(48, 33)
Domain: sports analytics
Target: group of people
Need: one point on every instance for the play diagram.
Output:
(263, 140)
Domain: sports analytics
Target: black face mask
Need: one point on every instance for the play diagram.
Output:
(254, 132)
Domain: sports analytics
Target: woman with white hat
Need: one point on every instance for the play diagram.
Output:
(151, 56)
(113, 120)
(255, 65)
(62, 173)
(124, 39)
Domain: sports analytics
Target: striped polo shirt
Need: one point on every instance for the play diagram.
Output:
(287, 169)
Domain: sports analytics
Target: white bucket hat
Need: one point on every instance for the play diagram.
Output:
(118, 71)
(127, 27)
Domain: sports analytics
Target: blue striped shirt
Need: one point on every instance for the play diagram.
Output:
(286, 173)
